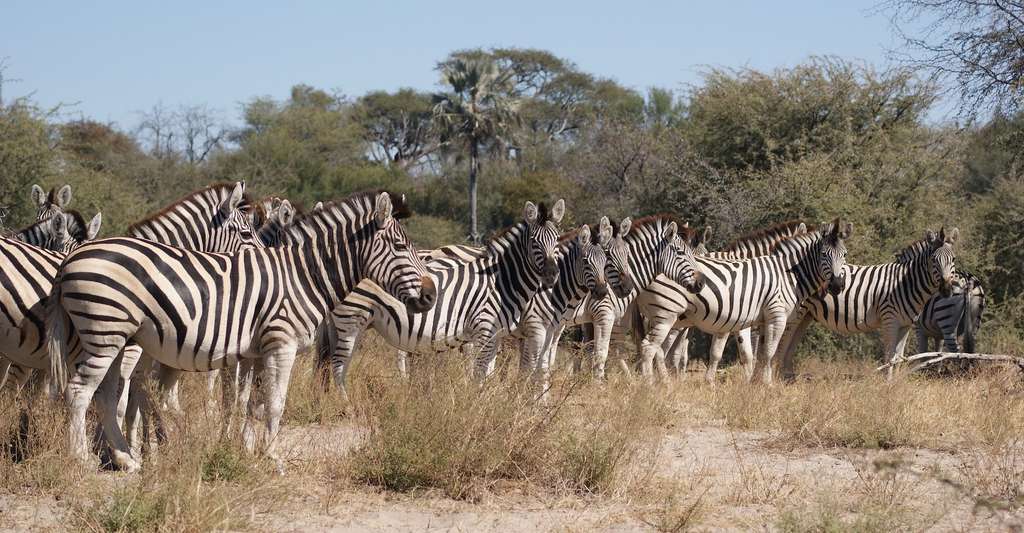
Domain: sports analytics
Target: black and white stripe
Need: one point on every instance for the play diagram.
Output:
(49, 204)
(739, 294)
(478, 300)
(194, 310)
(886, 297)
(948, 319)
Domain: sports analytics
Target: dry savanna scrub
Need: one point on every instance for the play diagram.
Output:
(841, 449)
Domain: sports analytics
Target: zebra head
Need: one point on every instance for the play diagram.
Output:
(593, 264)
(393, 262)
(542, 225)
(943, 258)
(273, 231)
(832, 254)
(675, 258)
(617, 253)
(61, 233)
(50, 204)
(233, 227)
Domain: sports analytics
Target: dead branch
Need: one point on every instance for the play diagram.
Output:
(926, 359)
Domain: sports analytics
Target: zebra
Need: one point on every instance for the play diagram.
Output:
(49, 204)
(755, 244)
(581, 271)
(946, 319)
(738, 294)
(28, 262)
(632, 250)
(479, 300)
(886, 297)
(196, 311)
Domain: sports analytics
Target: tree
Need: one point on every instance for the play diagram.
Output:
(976, 44)
(397, 126)
(476, 114)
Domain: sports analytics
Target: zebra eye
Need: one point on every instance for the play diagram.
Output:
(401, 246)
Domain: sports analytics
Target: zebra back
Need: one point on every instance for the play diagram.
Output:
(218, 218)
(760, 242)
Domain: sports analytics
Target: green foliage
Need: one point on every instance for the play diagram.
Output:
(25, 158)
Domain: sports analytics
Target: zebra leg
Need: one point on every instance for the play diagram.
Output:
(773, 329)
(795, 329)
(106, 403)
(602, 336)
(892, 334)
(402, 360)
(168, 380)
(718, 341)
(88, 374)
(745, 347)
(922, 339)
(678, 350)
(666, 348)
(650, 348)
(277, 372)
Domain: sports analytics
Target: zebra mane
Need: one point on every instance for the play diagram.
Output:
(774, 232)
(224, 188)
(685, 232)
(360, 203)
(78, 229)
(915, 250)
(543, 216)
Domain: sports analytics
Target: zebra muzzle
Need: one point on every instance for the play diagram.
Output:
(549, 275)
(836, 285)
(600, 289)
(697, 284)
(623, 287)
(428, 295)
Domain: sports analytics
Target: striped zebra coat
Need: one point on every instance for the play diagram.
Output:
(948, 319)
(739, 294)
(28, 263)
(886, 297)
(479, 301)
(634, 252)
(756, 244)
(197, 310)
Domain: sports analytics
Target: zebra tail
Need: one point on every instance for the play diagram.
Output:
(326, 340)
(59, 326)
(639, 331)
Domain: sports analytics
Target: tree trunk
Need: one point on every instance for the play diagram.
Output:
(474, 235)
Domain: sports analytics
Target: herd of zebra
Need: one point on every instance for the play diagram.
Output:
(218, 280)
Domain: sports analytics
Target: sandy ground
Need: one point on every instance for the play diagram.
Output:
(743, 478)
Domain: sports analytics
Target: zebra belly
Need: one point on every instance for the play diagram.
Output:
(190, 357)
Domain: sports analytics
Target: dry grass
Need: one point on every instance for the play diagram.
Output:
(440, 434)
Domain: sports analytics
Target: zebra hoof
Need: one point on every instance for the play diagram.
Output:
(125, 462)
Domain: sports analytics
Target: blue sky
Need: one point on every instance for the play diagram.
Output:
(119, 58)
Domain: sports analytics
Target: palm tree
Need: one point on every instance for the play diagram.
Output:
(476, 113)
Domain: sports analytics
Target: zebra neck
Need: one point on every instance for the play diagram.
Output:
(322, 270)
(516, 278)
(645, 244)
(568, 289)
(798, 256)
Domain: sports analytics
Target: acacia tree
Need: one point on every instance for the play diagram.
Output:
(477, 113)
(976, 44)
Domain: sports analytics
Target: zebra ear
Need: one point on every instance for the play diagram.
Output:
(604, 231)
(801, 229)
(382, 209)
(930, 237)
(707, 234)
(847, 231)
(94, 227)
(671, 231)
(38, 195)
(232, 202)
(530, 212)
(625, 226)
(63, 198)
(583, 235)
(318, 207)
(59, 227)
(953, 236)
(558, 211)
(286, 213)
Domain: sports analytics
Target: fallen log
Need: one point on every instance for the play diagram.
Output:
(926, 359)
